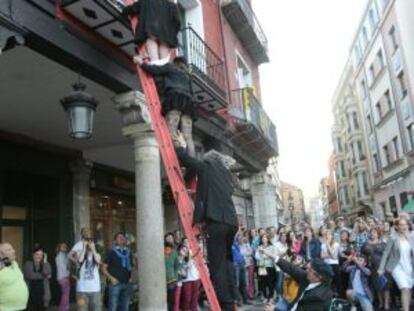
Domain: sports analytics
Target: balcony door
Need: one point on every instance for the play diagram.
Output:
(245, 81)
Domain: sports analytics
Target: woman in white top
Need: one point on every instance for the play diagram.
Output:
(281, 248)
(398, 259)
(330, 254)
(62, 267)
(191, 286)
(266, 268)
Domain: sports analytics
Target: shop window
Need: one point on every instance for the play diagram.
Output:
(112, 213)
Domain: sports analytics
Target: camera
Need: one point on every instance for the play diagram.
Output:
(5, 262)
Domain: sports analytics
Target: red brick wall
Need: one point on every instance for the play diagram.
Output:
(212, 31)
(213, 37)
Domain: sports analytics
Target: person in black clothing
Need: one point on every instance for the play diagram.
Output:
(117, 269)
(315, 292)
(214, 207)
(157, 27)
(175, 92)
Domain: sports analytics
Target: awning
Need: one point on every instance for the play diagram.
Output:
(409, 207)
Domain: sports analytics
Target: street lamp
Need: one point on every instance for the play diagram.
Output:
(80, 108)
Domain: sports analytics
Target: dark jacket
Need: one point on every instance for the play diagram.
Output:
(175, 80)
(158, 19)
(214, 190)
(315, 249)
(365, 273)
(316, 299)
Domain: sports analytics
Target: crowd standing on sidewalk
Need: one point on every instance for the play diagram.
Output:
(365, 261)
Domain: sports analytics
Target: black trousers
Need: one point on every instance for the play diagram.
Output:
(268, 282)
(220, 261)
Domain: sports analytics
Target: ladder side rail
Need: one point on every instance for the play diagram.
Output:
(170, 160)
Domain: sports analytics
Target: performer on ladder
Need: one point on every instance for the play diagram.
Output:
(158, 27)
(215, 209)
(175, 90)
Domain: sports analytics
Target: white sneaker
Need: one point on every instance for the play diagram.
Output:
(354, 308)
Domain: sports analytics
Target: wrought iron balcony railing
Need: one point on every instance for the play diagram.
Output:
(247, 108)
(206, 66)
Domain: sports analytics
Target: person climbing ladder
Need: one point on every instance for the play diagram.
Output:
(158, 27)
(177, 99)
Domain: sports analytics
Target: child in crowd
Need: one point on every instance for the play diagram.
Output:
(358, 289)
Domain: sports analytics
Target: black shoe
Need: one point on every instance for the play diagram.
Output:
(247, 302)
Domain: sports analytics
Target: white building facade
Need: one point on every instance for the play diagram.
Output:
(382, 60)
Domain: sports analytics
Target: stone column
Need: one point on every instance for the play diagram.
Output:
(149, 212)
(264, 200)
(81, 174)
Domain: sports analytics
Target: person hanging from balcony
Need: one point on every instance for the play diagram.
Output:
(157, 27)
(175, 90)
(214, 208)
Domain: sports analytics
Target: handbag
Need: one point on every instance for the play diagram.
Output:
(262, 271)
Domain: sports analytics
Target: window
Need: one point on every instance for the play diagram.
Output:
(393, 204)
(387, 154)
(393, 38)
(364, 91)
(353, 153)
(380, 59)
(365, 183)
(360, 151)
(372, 73)
(387, 98)
(364, 36)
(343, 173)
(346, 195)
(372, 20)
(395, 147)
(357, 54)
(355, 120)
(383, 207)
(369, 124)
(348, 123)
(410, 131)
(402, 85)
(376, 163)
(358, 186)
(403, 199)
(379, 110)
(339, 144)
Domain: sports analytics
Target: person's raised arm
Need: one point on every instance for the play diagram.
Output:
(152, 69)
(82, 254)
(193, 164)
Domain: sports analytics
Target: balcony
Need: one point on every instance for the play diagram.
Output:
(100, 22)
(207, 69)
(245, 24)
(255, 132)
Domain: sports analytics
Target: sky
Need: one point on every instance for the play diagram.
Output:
(309, 44)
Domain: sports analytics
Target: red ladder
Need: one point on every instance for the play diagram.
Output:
(183, 201)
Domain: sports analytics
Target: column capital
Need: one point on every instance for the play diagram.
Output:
(133, 108)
